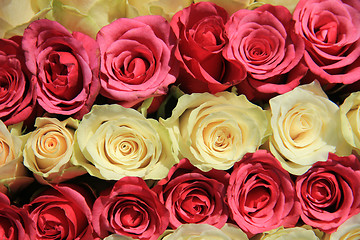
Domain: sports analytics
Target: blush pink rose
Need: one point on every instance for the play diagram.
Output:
(194, 196)
(331, 32)
(329, 192)
(130, 209)
(66, 67)
(17, 92)
(200, 29)
(62, 212)
(137, 59)
(261, 194)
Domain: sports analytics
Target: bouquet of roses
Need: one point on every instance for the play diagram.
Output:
(183, 120)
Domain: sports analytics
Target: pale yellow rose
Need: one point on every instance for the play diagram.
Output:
(115, 142)
(296, 233)
(306, 127)
(289, 4)
(118, 237)
(16, 15)
(349, 230)
(206, 232)
(230, 6)
(215, 131)
(49, 148)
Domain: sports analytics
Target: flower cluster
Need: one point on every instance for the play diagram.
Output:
(192, 119)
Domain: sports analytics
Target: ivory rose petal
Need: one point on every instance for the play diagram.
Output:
(295, 233)
(349, 230)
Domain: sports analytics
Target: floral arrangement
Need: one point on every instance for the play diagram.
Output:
(180, 120)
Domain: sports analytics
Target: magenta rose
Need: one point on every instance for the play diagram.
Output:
(62, 212)
(66, 67)
(261, 194)
(137, 59)
(131, 209)
(329, 192)
(15, 222)
(264, 41)
(17, 94)
(331, 32)
(193, 196)
(201, 33)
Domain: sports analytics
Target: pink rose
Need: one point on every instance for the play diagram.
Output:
(194, 196)
(264, 41)
(137, 60)
(131, 209)
(15, 222)
(331, 32)
(261, 194)
(62, 212)
(329, 192)
(201, 33)
(17, 95)
(66, 67)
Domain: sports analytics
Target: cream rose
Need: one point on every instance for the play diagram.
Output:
(296, 233)
(289, 4)
(49, 148)
(117, 237)
(306, 127)
(115, 142)
(215, 131)
(349, 230)
(230, 6)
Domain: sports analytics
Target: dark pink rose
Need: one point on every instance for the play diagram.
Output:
(131, 209)
(261, 194)
(137, 59)
(264, 41)
(15, 222)
(201, 33)
(62, 212)
(17, 86)
(66, 67)
(329, 192)
(331, 32)
(193, 196)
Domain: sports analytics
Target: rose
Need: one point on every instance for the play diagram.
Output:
(131, 209)
(62, 211)
(49, 148)
(263, 40)
(18, 87)
(117, 142)
(289, 4)
(328, 192)
(137, 60)
(215, 131)
(66, 67)
(331, 34)
(117, 237)
(349, 230)
(295, 233)
(305, 125)
(200, 30)
(231, 6)
(261, 194)
(193, 196)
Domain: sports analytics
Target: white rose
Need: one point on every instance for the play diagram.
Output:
(349, 230)
(296, 233)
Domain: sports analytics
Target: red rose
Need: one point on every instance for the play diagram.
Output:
(264, 41)
(201, 33)
(137, 59)
(15, 223)
(62, 212)
(131, 209)
(193, 196)
(261, 194)
(17, 95)
(329, 192)
(331, 32)
(66, 67)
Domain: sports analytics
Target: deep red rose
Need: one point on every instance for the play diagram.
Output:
(194, 196)
(137, 59)
(17, 85)
(261, 194)
(62, 212)
(131, 209)
(331, 32)
(66, 67)
(264, 41)
(329, 192)
(201, 33)
(15, 222)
